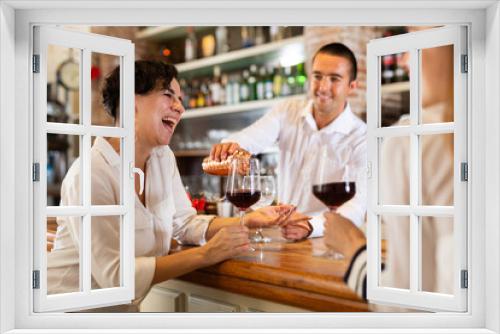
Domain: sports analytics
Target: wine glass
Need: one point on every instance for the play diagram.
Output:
(267, 195)
(243, 185)
(334, 185)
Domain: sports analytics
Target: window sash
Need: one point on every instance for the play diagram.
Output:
(413, 43)
(86, 298)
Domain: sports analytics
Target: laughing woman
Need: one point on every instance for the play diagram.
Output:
(162, 212)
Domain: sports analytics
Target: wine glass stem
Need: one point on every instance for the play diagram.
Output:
(242, 212)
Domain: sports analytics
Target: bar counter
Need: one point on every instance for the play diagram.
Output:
(287, 273)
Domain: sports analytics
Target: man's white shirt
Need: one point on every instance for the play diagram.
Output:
(291, 125)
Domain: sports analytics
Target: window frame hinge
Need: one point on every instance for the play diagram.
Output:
(36, 63)
(36, 172)
(465, 63)
(464, 172)
(464, 279)
(36, 279)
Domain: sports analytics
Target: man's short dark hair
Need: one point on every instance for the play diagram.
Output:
(149, 75)
(340, 50)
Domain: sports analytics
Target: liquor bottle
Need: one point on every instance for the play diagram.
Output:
(200, 98)
(268, 84)
(252, 83)
(236, 89)
(247, 37)
(400, 74)
(244, 87)
(215, 87)
(277, 81)
(191, 45)
(288, 83)
(221, 40)
(223, 91)
(259, 35)
(300, 79)
(261, 83)
(228, 89)
(193, 95)
(205, 90)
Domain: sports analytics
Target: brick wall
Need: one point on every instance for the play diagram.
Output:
(356, 38)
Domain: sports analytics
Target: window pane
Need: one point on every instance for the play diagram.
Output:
(63, 84)
(105, 263)
(396, 273)
(436, 154)
(437, 84)
(63, 274)
(62, 152)
(437, 254)
(394, 187)
(395, 88)
(106, 171)
(101, 68)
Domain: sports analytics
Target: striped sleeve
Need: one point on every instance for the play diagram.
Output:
(355, 276)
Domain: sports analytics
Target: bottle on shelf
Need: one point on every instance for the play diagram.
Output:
(193, 94)
(223, 89)
(191, 45)
(276, 33)
(244, 87)
(236, 89)
(207, 96)
(259, 35)
(261, 83)
(221, 40)
(247, 36)
(300, 79)
(268, 83)
(288, 82)
(252, 83)
(277, 81)
(228, 88)
(216, 87)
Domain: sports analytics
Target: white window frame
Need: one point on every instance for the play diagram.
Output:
(484, 211)
(414, 43)
(86, 43)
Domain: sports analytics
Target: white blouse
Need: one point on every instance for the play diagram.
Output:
(167, 214)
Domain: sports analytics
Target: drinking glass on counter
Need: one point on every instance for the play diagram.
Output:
(333, 187)
(243, 185)
(267, 196)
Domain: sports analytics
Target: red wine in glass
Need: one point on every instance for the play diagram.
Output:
(243, 198)
(334, 194)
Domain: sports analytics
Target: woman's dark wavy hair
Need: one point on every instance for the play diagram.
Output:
(149, 75)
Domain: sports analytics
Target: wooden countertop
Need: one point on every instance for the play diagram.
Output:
(287, 273)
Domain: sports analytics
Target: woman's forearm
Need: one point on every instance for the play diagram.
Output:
(178, 264)
(219, 222)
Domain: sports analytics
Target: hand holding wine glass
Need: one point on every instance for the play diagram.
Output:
(268, 194)
(243, 184)
(334, 185)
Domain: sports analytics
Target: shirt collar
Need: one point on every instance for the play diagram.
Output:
(342, 124)
(107, 151)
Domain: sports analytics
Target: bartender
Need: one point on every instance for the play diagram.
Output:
(301, 126)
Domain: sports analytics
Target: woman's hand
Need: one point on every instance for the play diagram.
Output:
(342, 235)
(228, 242)
(268, 216)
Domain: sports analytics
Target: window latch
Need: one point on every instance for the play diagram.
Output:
(36, 63)
(464, 172)
(134, 170)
